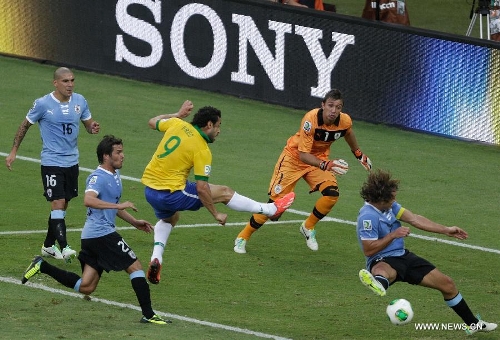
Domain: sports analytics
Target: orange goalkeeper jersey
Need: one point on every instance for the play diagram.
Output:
(315, 137)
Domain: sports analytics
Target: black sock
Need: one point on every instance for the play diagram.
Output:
(49, 238)
(383, 281)
(58, 226)
(68, 279)
(141, 289)
(463, 311)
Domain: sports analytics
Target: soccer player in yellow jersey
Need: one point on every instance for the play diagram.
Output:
(184, 146)
(307, 155)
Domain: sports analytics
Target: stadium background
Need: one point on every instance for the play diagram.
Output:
(402, 76)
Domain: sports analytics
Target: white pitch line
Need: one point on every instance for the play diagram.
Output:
(206, 323)
(297, 212)
(129, 306)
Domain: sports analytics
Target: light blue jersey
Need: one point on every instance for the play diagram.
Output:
(108, 187)
(59, 125)
(374, 224)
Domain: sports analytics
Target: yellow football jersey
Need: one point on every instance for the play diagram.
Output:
(182, 148)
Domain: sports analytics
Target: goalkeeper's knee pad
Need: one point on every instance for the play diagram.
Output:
(330, 197)
(329, 190)
(257, 220)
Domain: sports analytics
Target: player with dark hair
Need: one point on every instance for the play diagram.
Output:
(381, 237)
(184, 146)
(103, 249)
(58, 115)
(307, 155)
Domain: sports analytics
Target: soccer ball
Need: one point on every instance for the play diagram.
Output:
(399, 311)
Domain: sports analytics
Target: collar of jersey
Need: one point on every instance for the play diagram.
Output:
(205, 137)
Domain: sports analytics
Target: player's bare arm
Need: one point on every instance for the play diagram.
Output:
(185, 109)
(423, 223)
(143, 225)
(337, 166)
(363, 159)
(351, 140)
(309, 159)
(183, 112)
(92, 126)
(205, 195)
(456, 232)
(203, 189)
(371, 247)
(90, 200)
(139, 224)
(18, 138)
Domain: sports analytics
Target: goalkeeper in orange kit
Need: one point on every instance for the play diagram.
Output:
(307, 155)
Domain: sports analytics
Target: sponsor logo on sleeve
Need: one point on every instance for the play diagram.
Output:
(307, 126)
(367, 225)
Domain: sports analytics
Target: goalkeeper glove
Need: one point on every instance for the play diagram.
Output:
(337, 166)
(363, 159)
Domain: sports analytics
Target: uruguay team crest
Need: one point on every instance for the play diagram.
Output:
(277, 188)
(77, 109)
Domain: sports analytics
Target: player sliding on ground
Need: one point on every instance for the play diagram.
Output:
(381, 237)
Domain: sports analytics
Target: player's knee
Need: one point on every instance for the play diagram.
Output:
(223, 194)
(87, 289)
(448, 285)
(172, 219)
(330, 191)
(135, 269)
(58, 204)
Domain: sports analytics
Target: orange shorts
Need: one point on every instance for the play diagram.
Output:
(287, 172)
